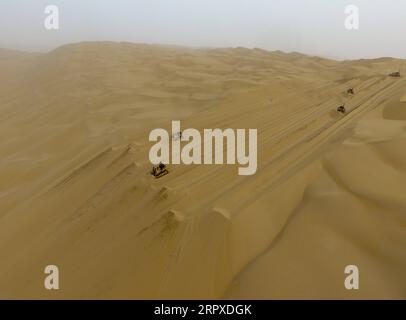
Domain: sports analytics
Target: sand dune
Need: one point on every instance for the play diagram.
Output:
(75, 190)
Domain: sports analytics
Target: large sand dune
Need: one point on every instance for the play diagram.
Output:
(75, 190)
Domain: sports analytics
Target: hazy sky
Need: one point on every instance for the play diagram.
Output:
(308, 26)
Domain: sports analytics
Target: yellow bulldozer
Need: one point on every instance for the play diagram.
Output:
(159, 171)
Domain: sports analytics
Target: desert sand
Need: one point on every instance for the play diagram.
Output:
(75, 188)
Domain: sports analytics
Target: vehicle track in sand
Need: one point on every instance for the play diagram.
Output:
(284, 161)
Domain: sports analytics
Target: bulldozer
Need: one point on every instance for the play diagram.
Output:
(395, 74)
(159, 171)
(341, 109)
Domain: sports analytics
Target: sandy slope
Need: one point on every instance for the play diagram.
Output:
(75, 189)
